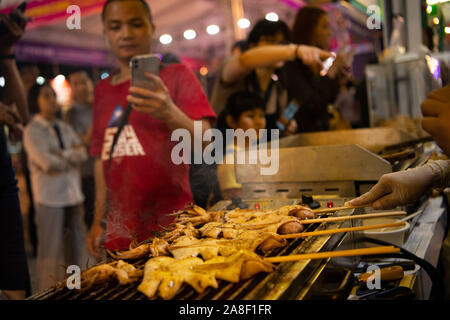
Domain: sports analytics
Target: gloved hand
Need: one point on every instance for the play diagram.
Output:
(400, 188)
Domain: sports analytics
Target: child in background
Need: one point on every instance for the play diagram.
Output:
(244, 110)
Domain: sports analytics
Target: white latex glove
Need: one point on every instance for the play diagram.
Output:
(400, 188)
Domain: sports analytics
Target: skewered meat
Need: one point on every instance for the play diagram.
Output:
(237, 267)
(125, 273)
(176, 230)
(302, 213)
(156, 248)
(196, 215)
(166, 275)
(290, 227)
(210, 248)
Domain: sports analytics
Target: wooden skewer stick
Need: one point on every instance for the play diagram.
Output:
(334, 254)
(353, 217)
(325, 210)
(333, 231)
(296, 235)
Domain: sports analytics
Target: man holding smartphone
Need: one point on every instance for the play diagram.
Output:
(140, 185)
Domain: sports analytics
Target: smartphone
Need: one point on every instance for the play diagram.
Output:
(287, 116)
(21, 8)
(140, 65)
(327, 65)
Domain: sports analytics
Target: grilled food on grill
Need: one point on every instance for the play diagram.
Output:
(198, 216)
(164, 275)
(178, 229)
(226, 241)
(249, 240)
(237, 267)
(125, 273)
(158, 247)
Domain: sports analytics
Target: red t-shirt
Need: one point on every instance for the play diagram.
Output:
(144, 185)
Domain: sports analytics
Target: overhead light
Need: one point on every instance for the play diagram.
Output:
(243, 23)
(40, 80)
(272, 16)
(429, 9)
(204, 71)
(165, 39)
(213, 29)
(447, 30)
(190, 34)
(436, 20)
(59, 79)
(2, 82)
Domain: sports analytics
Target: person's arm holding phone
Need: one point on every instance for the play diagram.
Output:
(159, 104)
(149, 94)
(271, 55)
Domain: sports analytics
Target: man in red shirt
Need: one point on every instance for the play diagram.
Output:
(143, 183)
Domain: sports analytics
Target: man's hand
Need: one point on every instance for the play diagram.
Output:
(93, 240)
(399, 188)
(14, 24)
(157, 103)
(436, 121)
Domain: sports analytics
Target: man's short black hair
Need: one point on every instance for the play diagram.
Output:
(144, 3)
(268, 28)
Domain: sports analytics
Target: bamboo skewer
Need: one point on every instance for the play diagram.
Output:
(353, 217)
(334, 254)
(333, 231)
(326, 210)
(297, 235)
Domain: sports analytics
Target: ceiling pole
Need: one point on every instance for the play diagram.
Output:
(238, 13)
(229, 29)
(233, 11)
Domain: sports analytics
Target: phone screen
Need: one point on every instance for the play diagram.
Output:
(326, 66)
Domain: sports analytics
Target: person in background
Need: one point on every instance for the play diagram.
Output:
(55, 154)
(29, 74)
(312, 91)
(239, 47)
(244, 110)
(14, 277)
(79, 116)
(256, 69)
(139, 184)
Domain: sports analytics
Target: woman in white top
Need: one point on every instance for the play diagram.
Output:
(54, 156)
